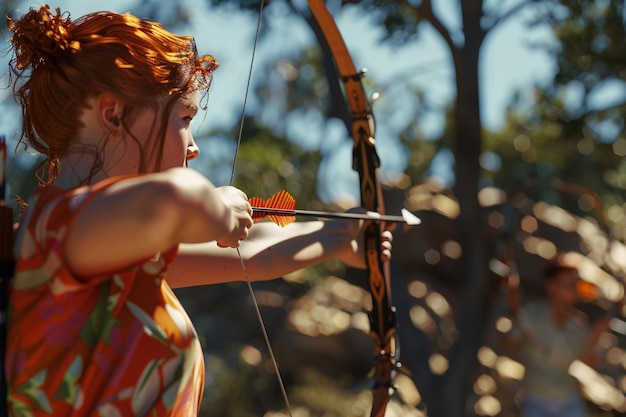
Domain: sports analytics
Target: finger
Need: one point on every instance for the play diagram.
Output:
(387, 236)
(240, 192)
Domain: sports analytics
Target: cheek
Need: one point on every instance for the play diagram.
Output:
(174, 151)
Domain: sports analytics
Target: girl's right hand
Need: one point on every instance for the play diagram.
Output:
(241, 216)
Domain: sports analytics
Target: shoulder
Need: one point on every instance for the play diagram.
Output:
(50, 204)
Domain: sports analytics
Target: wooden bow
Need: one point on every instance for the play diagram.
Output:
(366, 163)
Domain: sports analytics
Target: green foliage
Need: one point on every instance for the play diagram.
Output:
(401, 19)
(325, 396)
(568, 131)
(268, 163)
(235, 389)
(592, 35)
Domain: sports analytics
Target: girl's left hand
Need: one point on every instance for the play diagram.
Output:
(354, 255)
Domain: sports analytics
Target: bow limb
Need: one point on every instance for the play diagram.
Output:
(7, 264)
(366, 163)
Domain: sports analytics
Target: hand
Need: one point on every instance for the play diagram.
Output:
(355, 253)
(241, 216)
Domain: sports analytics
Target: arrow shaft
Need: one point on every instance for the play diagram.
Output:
(329, 215)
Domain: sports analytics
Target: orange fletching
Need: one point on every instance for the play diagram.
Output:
(282, 202)
(257, 202)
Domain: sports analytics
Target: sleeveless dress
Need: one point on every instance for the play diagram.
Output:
(118, 344)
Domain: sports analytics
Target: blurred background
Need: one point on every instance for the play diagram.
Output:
(499, 123)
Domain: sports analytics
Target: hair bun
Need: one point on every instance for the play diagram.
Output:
(41, 37)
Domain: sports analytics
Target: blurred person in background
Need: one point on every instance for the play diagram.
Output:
(548, 335)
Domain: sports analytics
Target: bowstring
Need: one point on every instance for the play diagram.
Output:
(255, 302)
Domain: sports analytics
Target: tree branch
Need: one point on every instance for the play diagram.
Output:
(511, 12)
(426, 8)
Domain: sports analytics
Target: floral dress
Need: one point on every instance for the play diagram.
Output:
(113, 345)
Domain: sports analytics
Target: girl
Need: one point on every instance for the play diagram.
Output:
(94, 327)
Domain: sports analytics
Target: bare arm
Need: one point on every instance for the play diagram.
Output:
(271, 252)
(136, 218)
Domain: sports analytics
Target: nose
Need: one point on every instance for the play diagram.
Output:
(192, 151)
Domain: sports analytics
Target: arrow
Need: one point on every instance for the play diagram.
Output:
(280, 208)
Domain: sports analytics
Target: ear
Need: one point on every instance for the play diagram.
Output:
(110, 110)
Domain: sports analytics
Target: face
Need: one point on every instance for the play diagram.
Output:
(562, 289)
(178, 146)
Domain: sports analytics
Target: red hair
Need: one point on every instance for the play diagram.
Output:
(59, 63)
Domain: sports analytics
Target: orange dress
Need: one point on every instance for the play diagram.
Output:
(113, 345)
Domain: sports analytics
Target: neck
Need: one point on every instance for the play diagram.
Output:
(76, 170)
(81, 168)
(90, 165)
